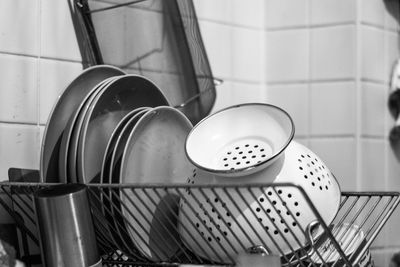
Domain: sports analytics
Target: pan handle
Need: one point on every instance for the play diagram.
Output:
(217, 82)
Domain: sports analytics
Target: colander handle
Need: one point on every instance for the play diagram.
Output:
(258, 250)
(310, 232)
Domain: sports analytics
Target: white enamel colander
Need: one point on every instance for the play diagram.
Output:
(240, 139)
(218, 225)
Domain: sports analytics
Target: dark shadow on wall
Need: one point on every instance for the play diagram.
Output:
(393, 8)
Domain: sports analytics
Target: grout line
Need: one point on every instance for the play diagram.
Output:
(380, 27)
(385, 114)
(372, 137)
(62, 59)
(309, 58)
(311, 80)
(39, 45)
(37, 56)
(373, 81)
(264, 49)
(308, 25)
(229, 24)
(357, 66)
(333, 136)
(19, 123)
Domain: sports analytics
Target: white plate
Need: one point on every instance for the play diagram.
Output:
(122, 95)
(65, 106)
(154, 153)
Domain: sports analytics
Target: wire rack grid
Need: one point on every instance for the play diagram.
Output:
(170, 225)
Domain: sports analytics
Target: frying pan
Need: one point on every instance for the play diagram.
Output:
(118, 98)
(154, 153)
(77, 132)
(112, 157)
(65, 106)
(73, 125)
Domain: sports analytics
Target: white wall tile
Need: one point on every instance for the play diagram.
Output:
(287, 55)
(58, 39)
(233, 12)
(381, 258)
(18, 93)
(333, 52)
(339, 155)
(372, 54)
(247, 49)
(372, 165)
(19, 26)
(332, 108)
(20, 146)
(373, 11)
(332, 11)
(248, 13)
(224, 96)
(247, 93)
(215, 10)
(285, 13)
(373, 109)
(294, 99)
(218, 44)
(54, 77)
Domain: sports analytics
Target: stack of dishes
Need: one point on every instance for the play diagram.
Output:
(115, 128)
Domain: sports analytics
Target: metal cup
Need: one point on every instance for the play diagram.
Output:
(67, 236)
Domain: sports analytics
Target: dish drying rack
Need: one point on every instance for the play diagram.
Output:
(368, 210)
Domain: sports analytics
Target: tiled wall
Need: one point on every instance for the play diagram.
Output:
(233, 34)
(39, 55)
(327, 62)
(335, 58)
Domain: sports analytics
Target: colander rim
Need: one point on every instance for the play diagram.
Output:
(251, 168)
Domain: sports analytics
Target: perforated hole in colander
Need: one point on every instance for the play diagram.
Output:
(244, 153)
(215, 223)
(273, 211)
(314, 171)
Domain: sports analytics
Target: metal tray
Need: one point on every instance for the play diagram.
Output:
(368, 210)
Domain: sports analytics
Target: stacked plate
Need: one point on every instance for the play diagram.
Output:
(113, 128)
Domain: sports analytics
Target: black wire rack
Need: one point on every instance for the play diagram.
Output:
(164, 225)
